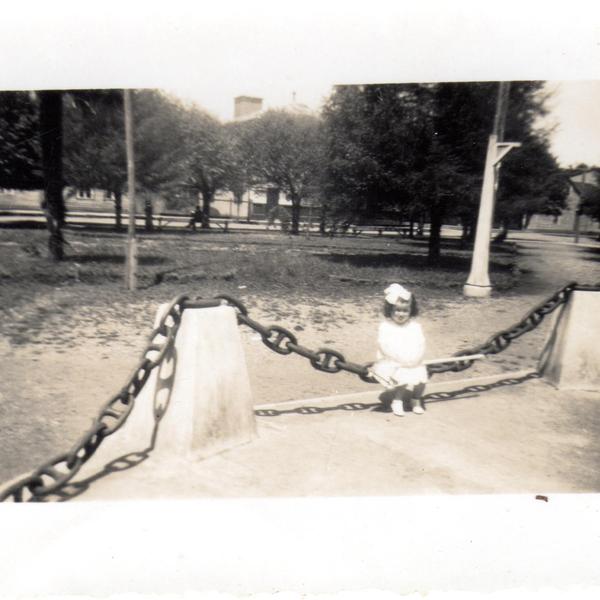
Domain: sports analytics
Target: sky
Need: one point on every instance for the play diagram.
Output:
(275, 49)
(575, 115)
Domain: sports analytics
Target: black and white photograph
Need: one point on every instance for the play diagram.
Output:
(300, 300)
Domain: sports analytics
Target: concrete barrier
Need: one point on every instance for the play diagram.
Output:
(571, 356)
(195, 404)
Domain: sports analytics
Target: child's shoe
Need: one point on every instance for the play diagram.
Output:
(418, 409)
(398, 408)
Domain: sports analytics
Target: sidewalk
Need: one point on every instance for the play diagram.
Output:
(516, 434)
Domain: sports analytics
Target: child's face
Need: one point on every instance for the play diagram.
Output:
(401, 312)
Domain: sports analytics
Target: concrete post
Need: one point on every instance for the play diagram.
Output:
(197, 403)
(571, 357)
(478, 284)
(211, 402)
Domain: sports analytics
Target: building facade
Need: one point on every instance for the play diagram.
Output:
(569, 220)
(88, 200)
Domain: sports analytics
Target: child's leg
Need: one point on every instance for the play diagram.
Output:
(417, 399)
(400, 395)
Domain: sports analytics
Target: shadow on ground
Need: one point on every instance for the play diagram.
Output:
(114, 259)
(384, 399)
(411, 261)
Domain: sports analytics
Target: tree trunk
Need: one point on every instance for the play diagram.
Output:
(464, 236)
(503, 232)
(472, 230)
(51, 145)
(207, 196)
(238, 198)
(323, 220)
(148, 213)
(296, 202)
(436, 215)
(118, 210)
(421, 226)
(250, 208)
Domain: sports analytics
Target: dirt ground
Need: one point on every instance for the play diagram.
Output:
(52, 388)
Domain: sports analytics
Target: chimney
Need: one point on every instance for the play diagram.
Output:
(246, 106)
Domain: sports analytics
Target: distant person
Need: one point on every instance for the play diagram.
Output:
(282, 215)
(401, 348)
(195, 217)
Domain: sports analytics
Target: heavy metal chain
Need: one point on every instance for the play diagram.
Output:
(501, 341)
(56, 473)
(283, 341)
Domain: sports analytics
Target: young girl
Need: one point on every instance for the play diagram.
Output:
(401, 347)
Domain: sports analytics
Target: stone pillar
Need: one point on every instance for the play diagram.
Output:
(571, 357)
(210, 408)
(198, 402)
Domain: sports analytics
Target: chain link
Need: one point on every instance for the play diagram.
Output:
(328, 360)
(278, 339)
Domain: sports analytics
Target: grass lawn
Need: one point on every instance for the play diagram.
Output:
(202, 264)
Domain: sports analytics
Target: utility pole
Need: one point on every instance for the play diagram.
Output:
(478, 284)
(131, 252)
(501, 110)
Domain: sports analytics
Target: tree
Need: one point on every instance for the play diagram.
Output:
(588, 192)
(208, 159)
(286, 149)
(240, 175)
(51, 141)
(394, 148)
(33, 140)
(20, 152)
(416, 147)
(390, 148)
(461, 118)
(374, 139)
(530, 183)
(159, 145)
(95, 145)
(530, 180)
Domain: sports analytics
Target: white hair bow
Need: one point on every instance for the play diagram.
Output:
(396, 291)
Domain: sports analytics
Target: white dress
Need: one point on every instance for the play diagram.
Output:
(400, 353)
